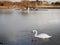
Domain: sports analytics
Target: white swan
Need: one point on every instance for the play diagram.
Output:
(42, 35)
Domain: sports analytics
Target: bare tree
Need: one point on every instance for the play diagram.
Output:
(37, 0)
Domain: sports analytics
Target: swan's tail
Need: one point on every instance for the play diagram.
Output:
(50, 36)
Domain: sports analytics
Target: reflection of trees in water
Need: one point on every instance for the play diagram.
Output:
(4, 11)
(24, 13)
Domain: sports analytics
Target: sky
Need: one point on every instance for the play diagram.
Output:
(33, 0)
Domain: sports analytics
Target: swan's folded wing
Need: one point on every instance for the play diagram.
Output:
(43, 36)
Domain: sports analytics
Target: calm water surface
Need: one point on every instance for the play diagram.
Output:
(16, 26)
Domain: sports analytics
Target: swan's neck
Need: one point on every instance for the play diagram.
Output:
(36, 34)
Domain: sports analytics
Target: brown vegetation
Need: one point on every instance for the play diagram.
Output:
(56, 3)
(26, 4)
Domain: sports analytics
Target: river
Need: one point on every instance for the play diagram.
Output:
(16, 26)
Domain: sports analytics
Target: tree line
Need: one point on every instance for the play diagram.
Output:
(55, 3)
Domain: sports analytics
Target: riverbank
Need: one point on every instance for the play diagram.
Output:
(26, 4)
(41, 7)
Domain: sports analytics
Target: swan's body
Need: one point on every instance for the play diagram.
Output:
(42, 35)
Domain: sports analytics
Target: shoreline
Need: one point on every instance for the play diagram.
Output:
(41, 7)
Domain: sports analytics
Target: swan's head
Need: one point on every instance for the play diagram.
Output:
(34, 31)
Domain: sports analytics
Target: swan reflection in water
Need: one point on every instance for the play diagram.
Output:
(38, 41)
